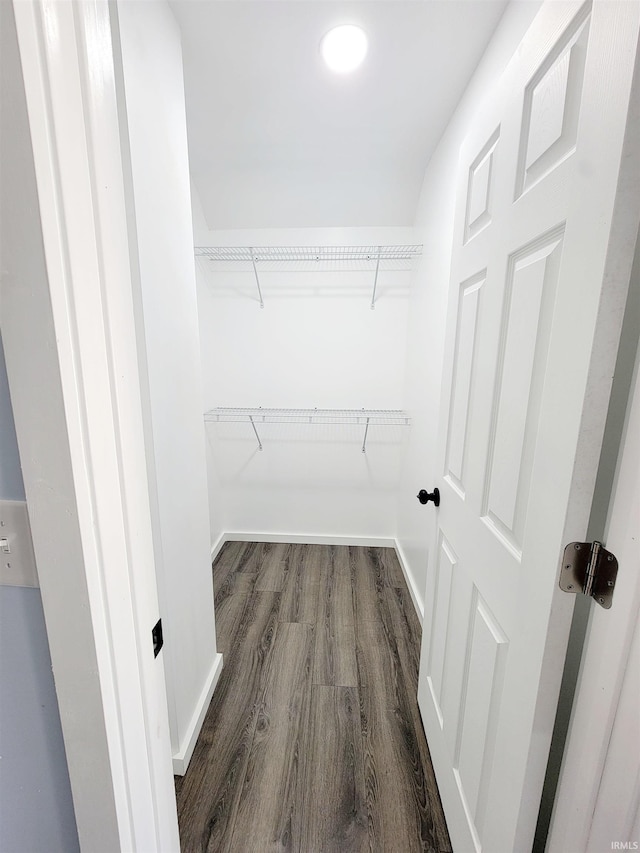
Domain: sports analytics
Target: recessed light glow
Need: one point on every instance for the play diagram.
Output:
(344, 48)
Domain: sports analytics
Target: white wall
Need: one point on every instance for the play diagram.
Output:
(315, 344)
(429, 297)
(151, 91)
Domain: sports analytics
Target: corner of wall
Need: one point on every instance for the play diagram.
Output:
(182, 757)
(416, 596)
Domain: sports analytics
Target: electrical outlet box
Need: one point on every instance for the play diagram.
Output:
(17, 560)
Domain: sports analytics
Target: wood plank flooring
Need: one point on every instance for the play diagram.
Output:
(313, 741)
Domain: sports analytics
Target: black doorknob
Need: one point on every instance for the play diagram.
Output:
(424, 496)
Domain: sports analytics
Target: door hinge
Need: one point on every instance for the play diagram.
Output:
(589, 568)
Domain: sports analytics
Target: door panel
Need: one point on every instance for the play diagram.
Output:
(462, 380)
(480, 188)
(480, 700)
(536, 196)
(445, 571)
(552, 106)
(529, 295)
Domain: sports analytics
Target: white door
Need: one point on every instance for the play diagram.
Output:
(540, 225)
(598, 800)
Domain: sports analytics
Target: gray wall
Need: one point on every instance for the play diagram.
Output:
(36, 809)
(11, 485)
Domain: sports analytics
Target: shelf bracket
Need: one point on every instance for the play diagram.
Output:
(366, 430)
(255, 430)
(255, 272)
(375, 281)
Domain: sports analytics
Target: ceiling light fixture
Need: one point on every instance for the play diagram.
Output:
(343, 48)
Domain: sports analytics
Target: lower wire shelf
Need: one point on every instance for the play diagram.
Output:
(258, 416)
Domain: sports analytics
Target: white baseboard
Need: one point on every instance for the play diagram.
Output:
(217, 546)
(182, 758)
(310, 539)
(416, 598)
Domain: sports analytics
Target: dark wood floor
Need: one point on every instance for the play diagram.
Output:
(313, 741)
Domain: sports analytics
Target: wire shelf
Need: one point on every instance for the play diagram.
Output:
(256, 417)
(263, 254)
(369, 257)
(386, 417)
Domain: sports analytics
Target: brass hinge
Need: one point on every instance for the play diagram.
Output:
(589, 568)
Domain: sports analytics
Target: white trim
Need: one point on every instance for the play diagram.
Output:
(182, 758)
(590, 759)
(123, 744)
(415, 596)
(217, 546)
(310, 539)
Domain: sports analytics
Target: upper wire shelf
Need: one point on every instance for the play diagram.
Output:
(258, 416)
(308, 253)
(256, 256)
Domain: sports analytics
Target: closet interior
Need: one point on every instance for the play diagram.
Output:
(293, 321)
(303, 356)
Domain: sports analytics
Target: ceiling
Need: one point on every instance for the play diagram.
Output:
(277, 140)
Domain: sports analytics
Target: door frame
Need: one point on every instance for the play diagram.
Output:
(609, 634)
(89, 510)
(582, 730)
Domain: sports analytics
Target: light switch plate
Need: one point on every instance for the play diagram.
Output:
(18, 565)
